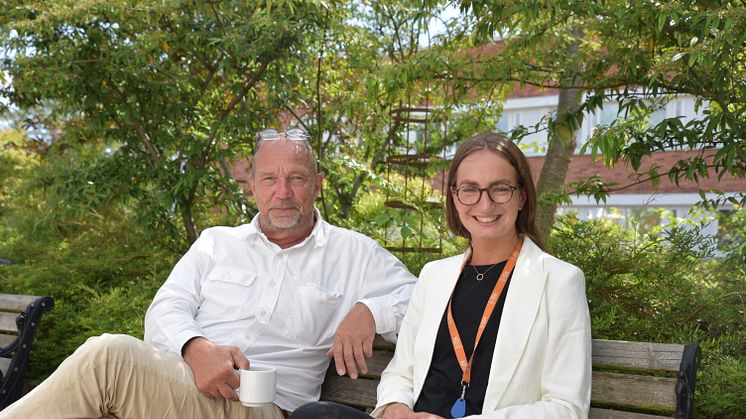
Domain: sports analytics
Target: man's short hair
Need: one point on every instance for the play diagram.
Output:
(312, 162)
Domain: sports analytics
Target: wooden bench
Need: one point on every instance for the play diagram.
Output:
(19, 318)
(635, 380)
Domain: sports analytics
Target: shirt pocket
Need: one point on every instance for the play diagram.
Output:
(227, 292)
(315, 294)
(317, 309)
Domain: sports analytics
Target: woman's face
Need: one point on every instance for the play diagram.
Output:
(486, 220)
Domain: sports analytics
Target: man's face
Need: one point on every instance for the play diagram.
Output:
(285, 187)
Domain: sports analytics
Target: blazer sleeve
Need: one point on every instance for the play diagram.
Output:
(566, 372)
(397, 380)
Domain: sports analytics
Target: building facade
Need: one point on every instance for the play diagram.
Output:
(633, 199)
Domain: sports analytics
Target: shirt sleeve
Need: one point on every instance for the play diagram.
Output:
(170, 321)
(387, 288)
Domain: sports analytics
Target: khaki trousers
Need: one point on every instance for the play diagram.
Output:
(122, 377)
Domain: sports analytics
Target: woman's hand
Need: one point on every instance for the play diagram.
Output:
(402, 411)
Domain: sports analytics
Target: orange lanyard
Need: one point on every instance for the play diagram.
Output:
(458, 347)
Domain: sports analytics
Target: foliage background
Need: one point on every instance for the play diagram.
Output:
(130, 113)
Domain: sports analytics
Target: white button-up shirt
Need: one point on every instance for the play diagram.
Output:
(281, 307)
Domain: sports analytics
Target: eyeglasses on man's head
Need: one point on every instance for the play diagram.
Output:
(498, 193)
(294, 134)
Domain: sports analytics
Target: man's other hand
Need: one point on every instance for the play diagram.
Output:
(353, 341)
(214, 367)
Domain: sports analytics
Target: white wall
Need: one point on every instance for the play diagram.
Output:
(528, 111)
(625, 207)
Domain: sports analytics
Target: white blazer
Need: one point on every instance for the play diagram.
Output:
(541, 367)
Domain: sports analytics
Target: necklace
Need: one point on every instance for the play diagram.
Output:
(480, 275)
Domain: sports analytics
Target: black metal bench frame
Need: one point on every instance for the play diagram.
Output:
(18, 350)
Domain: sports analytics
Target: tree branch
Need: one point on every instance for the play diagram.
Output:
(253, 79)
(397, 36)
(291, 111)
(152, 152)
(212, 68)
(217, 17)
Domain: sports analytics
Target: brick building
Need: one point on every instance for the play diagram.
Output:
(631, 197)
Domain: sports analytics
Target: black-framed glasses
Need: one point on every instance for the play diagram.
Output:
(498, 193)
(294, 134)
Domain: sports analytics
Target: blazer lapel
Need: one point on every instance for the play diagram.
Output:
(521, 306)
(437, 300)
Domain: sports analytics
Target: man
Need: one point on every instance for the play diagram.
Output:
(287, 290)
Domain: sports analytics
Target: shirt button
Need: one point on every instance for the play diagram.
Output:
(263, 312)
(273, 284)
(247, 337)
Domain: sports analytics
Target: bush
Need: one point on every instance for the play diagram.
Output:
(665, 287)
(102, 278)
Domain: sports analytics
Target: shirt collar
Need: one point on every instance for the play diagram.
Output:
(319, 235)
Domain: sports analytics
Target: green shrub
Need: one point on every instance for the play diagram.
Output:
(722, 377)
(664, 286)
(102, 274)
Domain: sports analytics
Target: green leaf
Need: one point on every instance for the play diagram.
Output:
(381, 218)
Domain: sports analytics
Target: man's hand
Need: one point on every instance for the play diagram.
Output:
(214, 367)
(402, 411)
(353, 341)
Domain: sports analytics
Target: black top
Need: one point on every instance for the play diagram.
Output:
(442, 385)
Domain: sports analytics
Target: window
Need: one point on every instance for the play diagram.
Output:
(679, 106)
(502, 124)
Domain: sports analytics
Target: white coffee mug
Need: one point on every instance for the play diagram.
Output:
(257, 386)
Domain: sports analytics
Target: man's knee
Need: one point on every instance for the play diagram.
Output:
(112, 346)
(109, 340)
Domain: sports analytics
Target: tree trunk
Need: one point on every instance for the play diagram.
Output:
(560, 150)
(188, 219)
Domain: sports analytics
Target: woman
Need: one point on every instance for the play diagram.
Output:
(533, 351)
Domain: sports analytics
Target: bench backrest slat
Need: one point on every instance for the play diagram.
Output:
(376, 364)
(360, 393)
(15, 303)
(616, 389)
(8, 322)
(609, 389)
(4, 364)
(5, 340)
(596, 413)
(637, 355)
